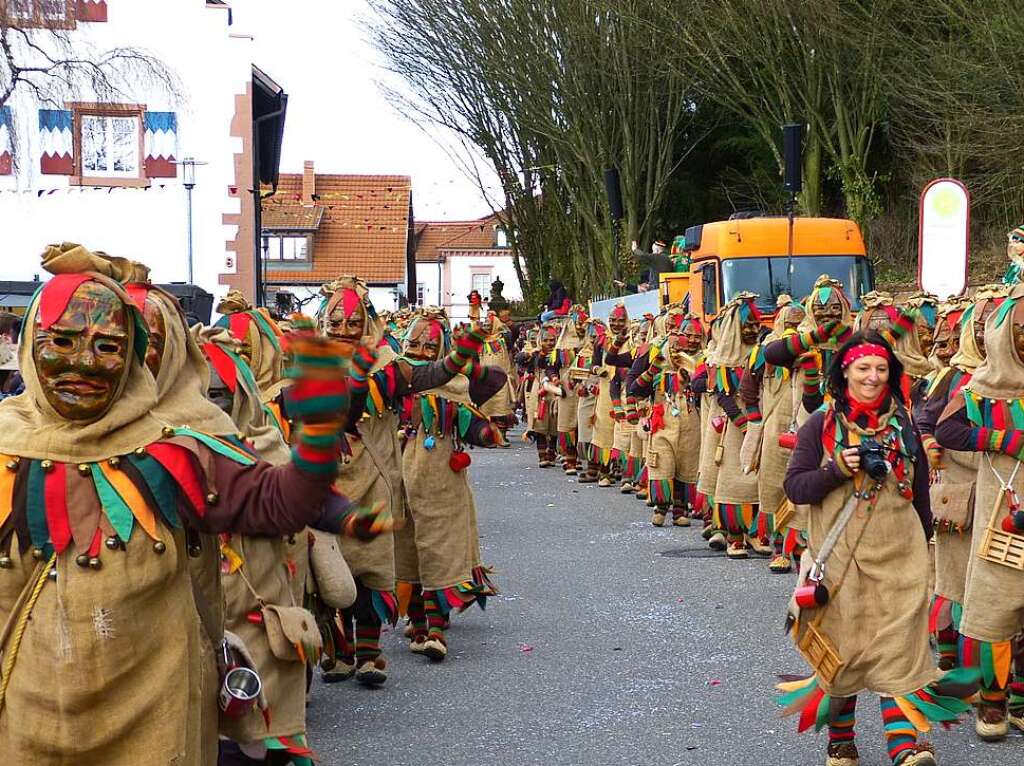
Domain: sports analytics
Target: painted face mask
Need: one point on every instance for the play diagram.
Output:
(678, 349)
(946, 342)
(81, 358)
(749, 331)
(157, 335)
(424, 341)
(548, 337)
(979, 325)
(925, 335)
(795, 315)
(691, 337)
(347, 321)
(831, 311)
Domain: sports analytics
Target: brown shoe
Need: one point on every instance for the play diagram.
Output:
(991, 724)
(923, 754)
(373, 672)
(842, 754)
(658, 519)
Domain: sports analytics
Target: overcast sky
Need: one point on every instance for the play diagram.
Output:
(337, 117)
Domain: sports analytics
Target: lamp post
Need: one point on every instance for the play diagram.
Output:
(188, 180)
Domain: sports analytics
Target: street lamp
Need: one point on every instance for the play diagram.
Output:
(188, 180)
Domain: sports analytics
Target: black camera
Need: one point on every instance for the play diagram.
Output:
(872, 459)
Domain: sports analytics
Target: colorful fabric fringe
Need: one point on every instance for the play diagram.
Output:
(922, 708)
(943, 613)
(763, 526)
(735, 517)
(795, 542)
(567, 442)
(295, 746)
(993, 659)
(660, 491)
(385, 605)
(460, 597)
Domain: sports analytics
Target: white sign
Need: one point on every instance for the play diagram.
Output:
(944, 238)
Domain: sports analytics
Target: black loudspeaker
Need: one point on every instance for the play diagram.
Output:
(792, 139)
(614, 190)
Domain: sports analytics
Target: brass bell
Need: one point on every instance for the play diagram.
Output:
(160, 546)
(12, 465)
(37, 554)
(113, 543)
(195, 551)
(52, 574)
(82, 559)
(6, 562)
(95, 563)
(212, 498)
(141, 451)
(83, 468)
(46, 465)
(291, 539)
(240, 436)
(168, 431)
(114, 461)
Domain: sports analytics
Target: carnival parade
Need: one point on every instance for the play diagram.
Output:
(677, 418)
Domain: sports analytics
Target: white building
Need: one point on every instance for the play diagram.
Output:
(108, 175)
(455, 257)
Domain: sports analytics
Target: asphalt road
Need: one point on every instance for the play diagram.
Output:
(612, 643)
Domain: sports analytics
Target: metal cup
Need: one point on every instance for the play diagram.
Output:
(239, 691)
(811, 596)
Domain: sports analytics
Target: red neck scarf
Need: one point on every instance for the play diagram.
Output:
(865, 414)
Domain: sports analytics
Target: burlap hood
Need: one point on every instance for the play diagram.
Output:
(184, 376)
(348, 291)
(263, 337)
(729, 350)
(31, 428)
(876, 301)
(969, 356)
(248, 415)
(824, 290)
(908, 347)
(1001, 375)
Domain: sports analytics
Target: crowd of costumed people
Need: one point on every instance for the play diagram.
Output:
(253, 501)
(874, 453)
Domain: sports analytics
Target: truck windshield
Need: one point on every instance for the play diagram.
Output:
(771, 277)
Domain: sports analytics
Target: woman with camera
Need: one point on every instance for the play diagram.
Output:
(860, 612)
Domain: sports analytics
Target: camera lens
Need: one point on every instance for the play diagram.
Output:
(872, 459)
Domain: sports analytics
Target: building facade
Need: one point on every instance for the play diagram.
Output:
(319, 226)
(110, 174)
(455, 257)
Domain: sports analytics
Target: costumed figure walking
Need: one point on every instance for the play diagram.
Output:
(674, 422)
(860, 612)
(612, 360)
(586, 385)
(543, 393)
(106, 489)
(563, 359)
(768, 389)
(987, 417)
(438, 550)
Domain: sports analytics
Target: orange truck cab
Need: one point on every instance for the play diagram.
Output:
(754, 255)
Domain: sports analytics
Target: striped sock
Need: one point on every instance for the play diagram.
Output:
(840, 727)
(900, 734)
(417, 614)
(992, 696)
(435, 620)
(367, 640)
(777, 540)
(948, 640)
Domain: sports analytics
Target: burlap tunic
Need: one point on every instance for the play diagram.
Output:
(953, 548)
(438, 546)
(371, 475)
(676, 443)
(878, 619)
(709, 441)
(777, 409)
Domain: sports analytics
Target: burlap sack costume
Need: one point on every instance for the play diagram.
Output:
(878, 619)
(274, 568)
(994, 597)
(372, 473)
(81, 691)
(777, 417)
(674, 452)
(603, 438)
(732, 486)
(707, 472)
(496, 354)
(566, 348)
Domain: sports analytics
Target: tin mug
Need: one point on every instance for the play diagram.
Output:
(239, 691)
(811, 596)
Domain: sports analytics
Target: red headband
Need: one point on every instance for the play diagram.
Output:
(862, 350)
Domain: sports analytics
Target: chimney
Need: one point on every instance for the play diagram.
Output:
(308, 182)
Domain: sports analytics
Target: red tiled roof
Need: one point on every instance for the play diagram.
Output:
(291, 215)
(434, 236)
(364, 230)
